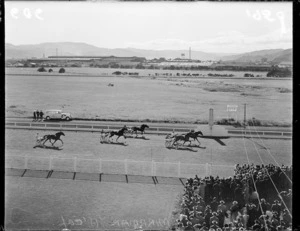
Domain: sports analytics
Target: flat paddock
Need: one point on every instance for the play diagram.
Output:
(164, 98)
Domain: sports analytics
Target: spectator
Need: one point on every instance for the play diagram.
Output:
(200, 218)
(234, 209)
(204, 227)
(222, 207)
(197, 227)
(214, 225)
(276, 207)
(213, 218)
(221, 217)
(34, 115)
(41, 115)
(256, 225)
(189, 227)
(37, 115)
(214, 204)
(208, 215)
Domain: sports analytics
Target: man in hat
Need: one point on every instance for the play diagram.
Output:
(234, 209)
(213, 218)
(221, 217)
(276, 207)
(214, 204)
(34, 115)
(41, 115)
(37, 115)
(256, 225)
(200, 217)
(222, 207)
(214, 225)
(204, 227)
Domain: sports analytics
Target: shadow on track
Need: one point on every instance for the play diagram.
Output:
(195, 146)
(114, 143)
(139, 137)
(183, 149)
(48, 147)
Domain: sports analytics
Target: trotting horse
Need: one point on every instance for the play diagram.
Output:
(117, 133)
(55, 137)
(141, 129)
(186, 137)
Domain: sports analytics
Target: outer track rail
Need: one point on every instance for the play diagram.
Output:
(155, 130)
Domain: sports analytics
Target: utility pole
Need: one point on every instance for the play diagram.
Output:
(245, 112)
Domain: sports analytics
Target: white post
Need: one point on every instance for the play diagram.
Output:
(152, 167)
(50, 164)
(126, 167)
(206, 169)
(211, 118)
(100, 165)
(179, 169)
(75, 163)
(26, 162)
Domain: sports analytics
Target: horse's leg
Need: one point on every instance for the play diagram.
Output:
(198, 141)
(117, 138)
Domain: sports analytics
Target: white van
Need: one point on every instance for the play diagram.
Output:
(57, 114)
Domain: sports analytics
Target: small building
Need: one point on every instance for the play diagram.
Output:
(285, 65)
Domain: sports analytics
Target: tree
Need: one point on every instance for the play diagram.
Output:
(62, 70)
(50, 70)
(42, 69)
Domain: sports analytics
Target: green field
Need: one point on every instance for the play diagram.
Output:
(139, 98)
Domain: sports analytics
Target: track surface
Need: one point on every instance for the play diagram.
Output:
(57, 203)
(87, 145)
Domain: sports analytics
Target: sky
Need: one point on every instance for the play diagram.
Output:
(217, 27)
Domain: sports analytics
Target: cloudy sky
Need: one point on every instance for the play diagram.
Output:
(227, 27)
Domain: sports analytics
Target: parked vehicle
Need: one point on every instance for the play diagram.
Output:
(57, 114)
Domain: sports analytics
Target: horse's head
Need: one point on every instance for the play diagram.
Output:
(199, 133)
(125, 128)
(60, 134)
(144, 126)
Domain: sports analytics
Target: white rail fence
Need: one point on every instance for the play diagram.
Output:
(128, 167)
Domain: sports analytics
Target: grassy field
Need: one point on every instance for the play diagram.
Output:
(159, 98)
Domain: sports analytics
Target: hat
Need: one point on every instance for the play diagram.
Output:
(214, 213)
(222, 202)
(235, 202)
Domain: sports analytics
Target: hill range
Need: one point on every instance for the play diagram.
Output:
(82, 49)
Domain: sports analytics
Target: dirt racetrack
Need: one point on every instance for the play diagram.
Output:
(87, 146)
(59, 203)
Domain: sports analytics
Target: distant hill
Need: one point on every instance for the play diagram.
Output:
(83, 49)
(275, 56)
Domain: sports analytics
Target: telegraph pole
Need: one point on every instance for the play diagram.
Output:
(245, 112)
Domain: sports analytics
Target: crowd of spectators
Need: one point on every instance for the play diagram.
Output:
(256, 197)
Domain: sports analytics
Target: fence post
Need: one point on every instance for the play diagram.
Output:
(50, 164)
(179, 170)
(206, 169)
(75, 164)
(100, 165)
(126, 167)
(26, 162)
